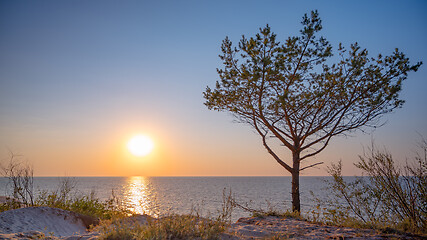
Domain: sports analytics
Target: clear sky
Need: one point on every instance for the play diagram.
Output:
(78, 79)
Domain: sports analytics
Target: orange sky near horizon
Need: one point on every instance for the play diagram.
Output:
(106, 154)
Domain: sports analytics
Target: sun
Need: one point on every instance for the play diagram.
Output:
(140, 145)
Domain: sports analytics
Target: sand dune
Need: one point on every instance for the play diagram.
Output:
(50, 221)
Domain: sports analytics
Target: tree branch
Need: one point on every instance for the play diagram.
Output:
(312, 165)
(269, 150)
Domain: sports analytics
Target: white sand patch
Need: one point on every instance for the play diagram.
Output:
(48, 220)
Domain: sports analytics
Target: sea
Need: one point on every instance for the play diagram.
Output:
(158, 196)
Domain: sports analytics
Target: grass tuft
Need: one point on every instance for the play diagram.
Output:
(168, 227)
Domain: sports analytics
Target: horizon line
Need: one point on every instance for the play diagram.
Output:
(183, 176)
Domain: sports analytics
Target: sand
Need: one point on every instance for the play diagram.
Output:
(50, 221)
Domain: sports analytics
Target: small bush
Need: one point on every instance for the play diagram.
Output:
(10, 204)
(387, 197)
(88, 205)
(21, 177)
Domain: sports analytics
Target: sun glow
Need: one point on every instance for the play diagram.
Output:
(140, 145)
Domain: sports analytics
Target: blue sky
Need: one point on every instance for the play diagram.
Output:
(77, 78)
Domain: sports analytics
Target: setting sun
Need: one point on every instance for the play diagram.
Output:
(140, 145)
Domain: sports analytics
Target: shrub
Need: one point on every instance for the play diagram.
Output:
(9, 204)
(388, 195)
(21, 177)
(88, 205)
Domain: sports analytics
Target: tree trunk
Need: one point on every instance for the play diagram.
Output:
(296, 206)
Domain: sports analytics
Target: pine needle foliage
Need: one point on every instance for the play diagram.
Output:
(298, 95)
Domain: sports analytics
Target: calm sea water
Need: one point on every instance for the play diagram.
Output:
(160, 195)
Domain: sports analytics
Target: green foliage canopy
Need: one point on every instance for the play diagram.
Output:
(293, 92)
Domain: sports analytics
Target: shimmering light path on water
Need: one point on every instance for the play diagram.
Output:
(139, 196)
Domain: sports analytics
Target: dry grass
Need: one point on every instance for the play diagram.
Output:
(167, 227)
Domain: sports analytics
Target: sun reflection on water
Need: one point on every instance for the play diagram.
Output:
(140, 196)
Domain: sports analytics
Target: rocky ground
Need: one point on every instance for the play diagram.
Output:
(285, 228)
